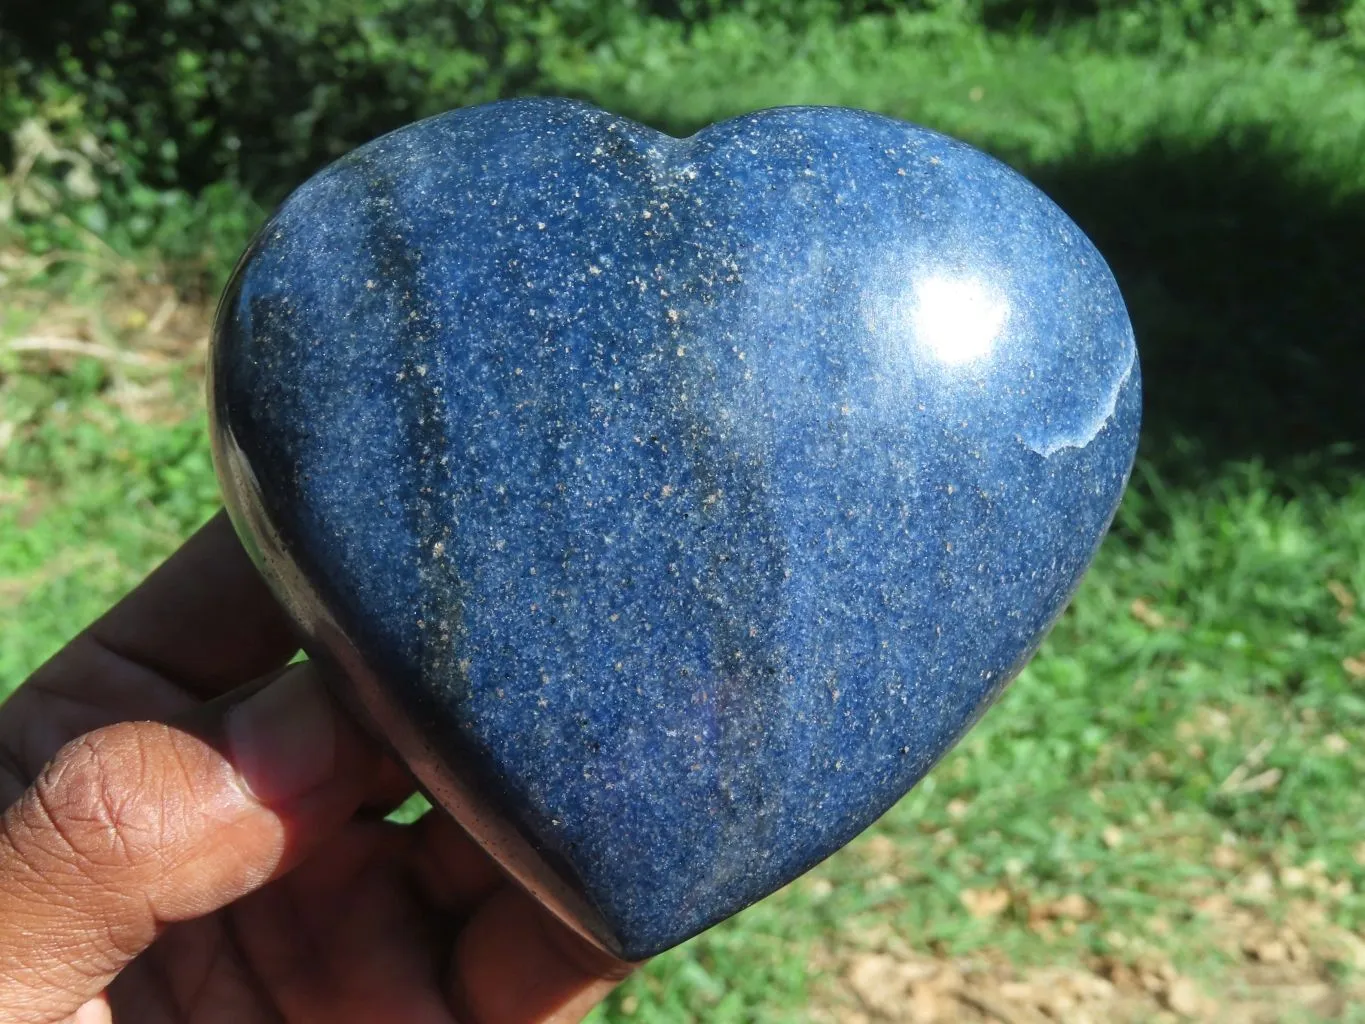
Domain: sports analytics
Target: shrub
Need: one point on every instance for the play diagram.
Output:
(170, 124)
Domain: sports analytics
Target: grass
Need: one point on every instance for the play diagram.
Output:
(1174, 778)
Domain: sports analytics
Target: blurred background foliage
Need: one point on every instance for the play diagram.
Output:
(170, 122)
(1162, 819)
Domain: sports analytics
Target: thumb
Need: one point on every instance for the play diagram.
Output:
(138, 825)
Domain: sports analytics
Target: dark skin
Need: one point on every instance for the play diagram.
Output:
(160, 862)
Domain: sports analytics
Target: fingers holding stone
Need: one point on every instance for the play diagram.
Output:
(204, 618)
(141, 824)
(514, 963)
(453, 874)
(201, 624)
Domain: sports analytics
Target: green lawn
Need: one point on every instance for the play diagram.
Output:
(1162, 815)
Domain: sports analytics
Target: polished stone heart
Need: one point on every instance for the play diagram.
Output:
(671, 505)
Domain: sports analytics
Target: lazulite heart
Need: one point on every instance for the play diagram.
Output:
(671, 505)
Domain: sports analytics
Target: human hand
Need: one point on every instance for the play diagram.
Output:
(193, 834)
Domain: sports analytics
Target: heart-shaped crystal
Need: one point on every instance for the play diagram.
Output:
(671, 506)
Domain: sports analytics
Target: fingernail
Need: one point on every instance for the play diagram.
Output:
(283, 738)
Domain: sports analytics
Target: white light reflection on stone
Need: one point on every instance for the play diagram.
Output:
(956, 320)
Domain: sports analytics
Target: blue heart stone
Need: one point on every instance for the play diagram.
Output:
(672, 506)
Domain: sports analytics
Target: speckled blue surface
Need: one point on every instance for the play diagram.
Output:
(696, 494)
